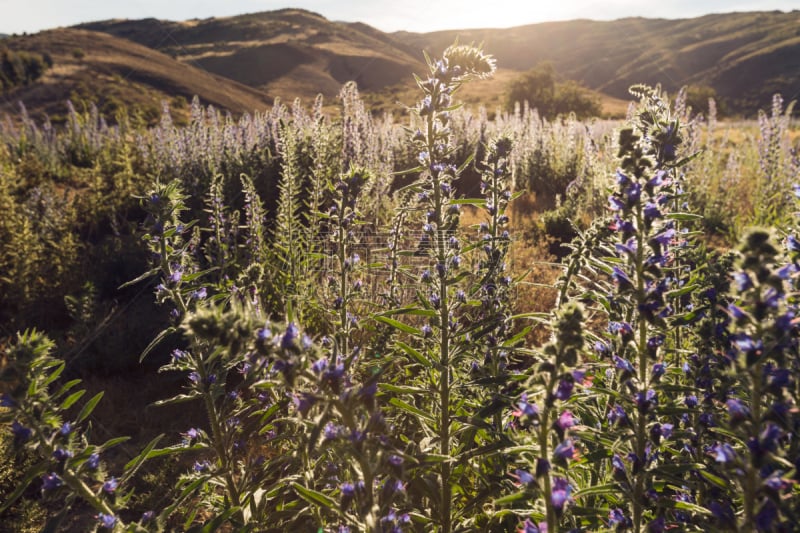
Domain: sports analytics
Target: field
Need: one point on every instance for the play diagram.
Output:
(325, 319)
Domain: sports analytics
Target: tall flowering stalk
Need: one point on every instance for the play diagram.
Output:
(542, 408)
(344, 219)
(760, 409)
(436, 199)
(638, 306)
(42, 418)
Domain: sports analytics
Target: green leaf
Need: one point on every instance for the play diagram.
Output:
(716, 480)
(160, 337)
(468, 201)
(598, 490)
(89, 407)
(314, 497)
(71, 399)
(414, 354)
(398, 389)
(693, 507)
(684, 217)
(110, 443)
(680, 292)
(405, 328)
(397, 402)
(54, 375)
(133, 465)
(67, 386)
(511, 498)
(180, 398)
(144, 276)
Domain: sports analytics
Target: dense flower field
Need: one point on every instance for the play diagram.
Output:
(362, 358)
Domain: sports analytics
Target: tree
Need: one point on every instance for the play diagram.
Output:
(542, 90)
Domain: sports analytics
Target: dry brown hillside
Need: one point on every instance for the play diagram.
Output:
(111, 71)
(288, 53)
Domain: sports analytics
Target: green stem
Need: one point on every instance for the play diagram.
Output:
(219, 444)
(641, 417)
(544, 452)
(752, 474)
(344, 326)
(440, 250)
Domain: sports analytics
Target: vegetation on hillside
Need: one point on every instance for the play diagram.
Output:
(21, 68)
(539, 88)
(745, 57)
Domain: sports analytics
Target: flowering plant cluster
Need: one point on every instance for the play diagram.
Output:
(665, 398)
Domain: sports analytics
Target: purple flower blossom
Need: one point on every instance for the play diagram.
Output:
(737, 410)
(303, 402)
(524, 408)
(201, 466)
(565, 421)
(723, 452)
(617, 518)
(743, 281)
(646, 400)
(617, 415)
(331, 431)
(624, 365)
(623, 329)
(564, 451)
(93, 461)
(651, 211)
(524, 477)
(110, 486)
(560, 494)
(564, 390)
(20, 432)
(530, 527)
(289, 336)
(60, 454)
(792, 244)
(542, 467)
(621, 279)
(106, 520)
(51, 481)
(615, 203)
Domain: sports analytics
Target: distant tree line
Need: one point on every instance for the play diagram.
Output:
(21, 68)
(542, 89)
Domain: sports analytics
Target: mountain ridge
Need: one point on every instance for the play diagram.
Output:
(743, 57)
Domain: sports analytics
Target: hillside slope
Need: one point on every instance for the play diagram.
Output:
(113, 72)
(288, 53)
(745, 57)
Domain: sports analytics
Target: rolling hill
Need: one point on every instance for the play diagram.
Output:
(745, 57)
(288, 53)
(241, 63)
(94, 66)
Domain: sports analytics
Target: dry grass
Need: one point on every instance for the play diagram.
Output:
(529, 261)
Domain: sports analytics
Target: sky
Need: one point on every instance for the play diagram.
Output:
(17, 16)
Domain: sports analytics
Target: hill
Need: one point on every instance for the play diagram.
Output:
(744, 57)
(241, 63)
(94, 66)
(288, 53)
